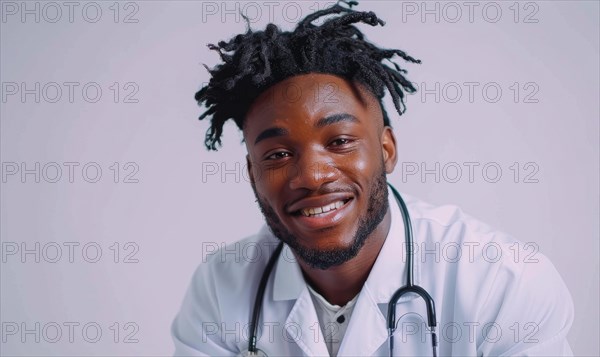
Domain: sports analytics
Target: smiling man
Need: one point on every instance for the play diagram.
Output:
(320, 144)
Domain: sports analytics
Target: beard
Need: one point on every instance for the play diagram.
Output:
(327, 258)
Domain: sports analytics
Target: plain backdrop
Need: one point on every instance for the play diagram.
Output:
(98, 108)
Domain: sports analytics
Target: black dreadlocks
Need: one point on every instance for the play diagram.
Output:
(256, 60)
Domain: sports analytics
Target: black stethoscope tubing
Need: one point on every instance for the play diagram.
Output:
(410, 287)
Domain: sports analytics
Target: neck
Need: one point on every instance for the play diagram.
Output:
(342, 283)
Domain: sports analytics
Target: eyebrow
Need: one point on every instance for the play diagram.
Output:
(332, 119)
(270, 133)
(335, 118)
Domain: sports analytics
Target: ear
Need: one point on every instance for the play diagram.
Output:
(388, 146)
(249, 167)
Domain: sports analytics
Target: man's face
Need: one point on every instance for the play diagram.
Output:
(318, 154)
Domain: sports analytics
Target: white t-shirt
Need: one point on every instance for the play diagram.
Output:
(333, 320)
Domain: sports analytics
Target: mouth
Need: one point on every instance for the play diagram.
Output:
(322, 210)
(321, 213)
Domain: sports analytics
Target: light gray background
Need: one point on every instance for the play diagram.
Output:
(176, 209)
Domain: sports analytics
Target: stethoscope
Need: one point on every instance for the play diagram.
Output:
(410, 287)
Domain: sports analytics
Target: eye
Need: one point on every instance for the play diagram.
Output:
(341, 142)
(278, 155)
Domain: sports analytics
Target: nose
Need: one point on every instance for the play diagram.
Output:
(312, 170)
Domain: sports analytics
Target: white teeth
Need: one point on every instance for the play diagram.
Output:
(318, 210)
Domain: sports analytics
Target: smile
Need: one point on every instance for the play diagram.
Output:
(318, 211)
(318, 215)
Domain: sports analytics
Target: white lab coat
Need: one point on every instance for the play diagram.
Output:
(498, 297)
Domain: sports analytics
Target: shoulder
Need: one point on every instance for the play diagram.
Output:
(443, 216)
(220, 293)
(461, 238)
(231, 271)
(500, 281)
(451, 231)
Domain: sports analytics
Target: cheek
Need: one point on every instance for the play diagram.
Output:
(268, 182)
(365, 165)
(361, 165)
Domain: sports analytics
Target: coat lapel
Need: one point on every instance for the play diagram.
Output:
(366, 330)
(302, 326)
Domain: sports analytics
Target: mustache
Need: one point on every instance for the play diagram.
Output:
(322, 190)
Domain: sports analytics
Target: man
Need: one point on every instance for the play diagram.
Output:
(319, 142)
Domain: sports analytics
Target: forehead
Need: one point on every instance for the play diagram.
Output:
(304, 98)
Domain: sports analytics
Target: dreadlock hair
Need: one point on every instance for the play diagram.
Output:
(254, 61)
